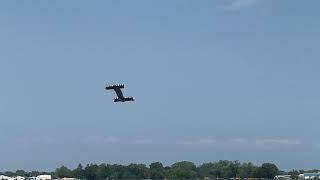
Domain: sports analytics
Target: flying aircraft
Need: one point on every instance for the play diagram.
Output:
(117, 89)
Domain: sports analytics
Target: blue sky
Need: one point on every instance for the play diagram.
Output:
(223, 79)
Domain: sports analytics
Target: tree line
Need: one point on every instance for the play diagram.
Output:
(180, 170)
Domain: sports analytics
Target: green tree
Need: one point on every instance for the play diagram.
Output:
(234, 168)
(9, 173)
(63, 171)
(246, 170)
(105, 171)
(91, 172)
(268, 170)
(78, 172)
(118, 171)
(167, 172)
(21, 173)
(136, 171)
(224, 169)
(220, 169)
(157, 170)
(34, 174)
(208, 170)
(183, 170)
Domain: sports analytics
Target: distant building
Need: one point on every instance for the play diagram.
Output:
(283, 177)
(19, 178)
(43, 177)
(65, 178)
(32, 178)
(2, 177)
(309, 175)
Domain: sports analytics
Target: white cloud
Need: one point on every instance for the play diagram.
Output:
(100, 140)
(277, 141)
(110, 139)
(239, 140)
(200, 142)
(143, 141)
(242, 141)
(113, 140)
(2, 108)
(35, 140)
(240, 4)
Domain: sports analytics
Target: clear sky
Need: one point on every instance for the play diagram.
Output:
(212, 79)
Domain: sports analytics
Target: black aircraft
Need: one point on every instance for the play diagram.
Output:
(117, 89)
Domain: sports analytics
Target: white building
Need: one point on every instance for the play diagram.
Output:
(32, 178)
(283, 177)
(65, 178)
(19, 178)
(301, 176)
(43, 177)
(2, 177)
(309, 175)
